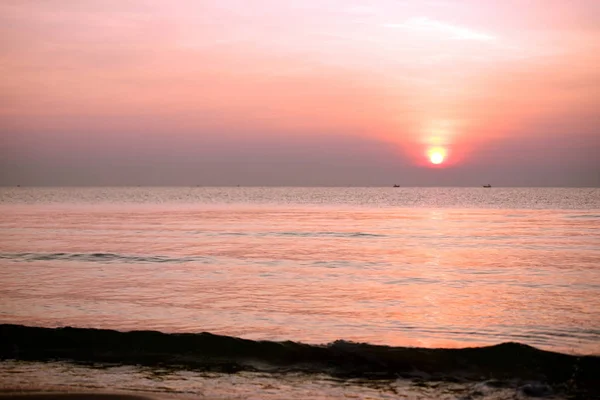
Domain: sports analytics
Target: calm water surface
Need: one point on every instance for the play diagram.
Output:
(435, 267)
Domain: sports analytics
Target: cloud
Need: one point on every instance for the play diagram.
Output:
(362, 10)
(447, 31)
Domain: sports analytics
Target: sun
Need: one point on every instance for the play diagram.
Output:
(436, 158)
(436, 155)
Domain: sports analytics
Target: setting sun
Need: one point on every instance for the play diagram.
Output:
(437, 158)
(437, 155)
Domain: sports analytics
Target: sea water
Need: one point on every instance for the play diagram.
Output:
(411, 267)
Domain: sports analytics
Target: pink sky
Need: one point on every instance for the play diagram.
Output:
(313, 92)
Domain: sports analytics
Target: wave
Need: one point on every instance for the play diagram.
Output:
(583, 216)
(328, 234)
(343, 359)
(115, 258)
(298, 234)
(102, 258)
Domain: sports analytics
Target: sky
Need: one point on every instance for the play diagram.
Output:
(307, 92)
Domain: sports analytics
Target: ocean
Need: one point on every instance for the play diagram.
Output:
(301, 292)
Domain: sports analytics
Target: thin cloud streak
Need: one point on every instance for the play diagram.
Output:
(441, 30)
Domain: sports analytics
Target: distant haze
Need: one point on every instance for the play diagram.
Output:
(313, 92)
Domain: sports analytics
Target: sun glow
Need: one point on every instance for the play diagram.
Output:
(436, 155)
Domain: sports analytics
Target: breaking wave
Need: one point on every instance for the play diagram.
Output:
(209, 352)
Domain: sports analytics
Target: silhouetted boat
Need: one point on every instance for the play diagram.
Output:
(487, 186)
(396, 185)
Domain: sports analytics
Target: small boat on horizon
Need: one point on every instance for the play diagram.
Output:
(487, 186)
(396, 186)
